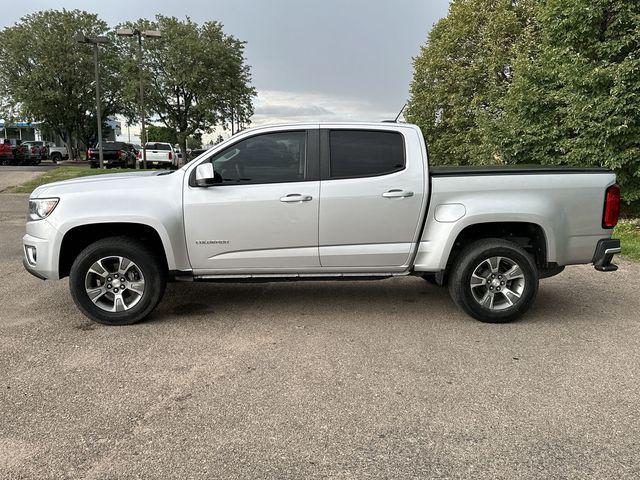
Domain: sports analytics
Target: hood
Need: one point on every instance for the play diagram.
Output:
(97, 182)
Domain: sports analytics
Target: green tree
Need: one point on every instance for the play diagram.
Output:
(157, 133)
(47, 76)
(194, 141)
(195, 75)
(575, 98)
(461, 76)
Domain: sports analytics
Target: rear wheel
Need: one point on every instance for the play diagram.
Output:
(494, 281)
(117, 281)
(56, 157)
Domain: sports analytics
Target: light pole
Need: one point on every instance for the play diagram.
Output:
(95, 41)
(134, 32)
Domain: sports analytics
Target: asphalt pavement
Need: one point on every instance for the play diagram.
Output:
(341, 380)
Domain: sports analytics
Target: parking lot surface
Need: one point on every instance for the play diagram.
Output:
(319, 380)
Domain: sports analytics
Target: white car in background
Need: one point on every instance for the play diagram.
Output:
(159, 154)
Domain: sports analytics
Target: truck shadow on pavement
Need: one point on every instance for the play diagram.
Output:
(407, 298)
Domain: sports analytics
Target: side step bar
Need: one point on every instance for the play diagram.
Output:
(283, 277)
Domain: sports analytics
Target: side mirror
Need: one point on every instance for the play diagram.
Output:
(206, 176)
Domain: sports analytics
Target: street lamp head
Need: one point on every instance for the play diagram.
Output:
(80, 37)
(99, 39)
(151, 33)
(125, 32)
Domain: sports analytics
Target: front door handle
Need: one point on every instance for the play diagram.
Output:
(397, 193)
(296, 197)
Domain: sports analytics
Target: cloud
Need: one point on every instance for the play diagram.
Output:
(274, 106)
(292, 110)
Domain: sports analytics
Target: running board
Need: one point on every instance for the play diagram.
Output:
(283, 277)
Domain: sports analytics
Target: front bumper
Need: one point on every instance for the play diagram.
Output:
(605, 250)
(42, 239)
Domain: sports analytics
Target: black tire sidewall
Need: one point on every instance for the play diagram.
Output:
(470, 258)
(153, 274)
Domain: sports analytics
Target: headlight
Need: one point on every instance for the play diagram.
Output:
(40, 208)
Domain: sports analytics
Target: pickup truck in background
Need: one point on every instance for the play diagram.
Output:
(329, 201)
(114, 154)
(13, 152)
(6, 152)
(159, 154)
(57, 154)
(36, 151)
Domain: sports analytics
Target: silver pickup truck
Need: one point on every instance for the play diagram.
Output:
(308, 202)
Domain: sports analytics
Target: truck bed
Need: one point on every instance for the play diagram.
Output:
(476, 170)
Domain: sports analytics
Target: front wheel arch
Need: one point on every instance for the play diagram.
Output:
(78, 238)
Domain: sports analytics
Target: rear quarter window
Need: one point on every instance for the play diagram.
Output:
(365, 153)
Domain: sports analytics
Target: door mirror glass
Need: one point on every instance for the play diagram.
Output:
(205, 175)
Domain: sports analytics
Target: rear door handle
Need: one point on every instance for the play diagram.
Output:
(397, 193)
(296, 197)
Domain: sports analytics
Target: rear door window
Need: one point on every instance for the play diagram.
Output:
(362, 153)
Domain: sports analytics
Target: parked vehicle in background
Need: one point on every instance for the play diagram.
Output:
(17, 152)
(196, 153)
(159, 154)
(37, 149)
(114, 154)
(6, 152)
(331, 201)
(136, 148)
(57, 154)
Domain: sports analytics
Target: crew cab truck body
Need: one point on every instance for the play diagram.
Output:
(311, 201)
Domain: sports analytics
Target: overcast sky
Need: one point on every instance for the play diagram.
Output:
(310, 60)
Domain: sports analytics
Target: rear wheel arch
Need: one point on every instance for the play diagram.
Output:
(532, 237)
(76, 239)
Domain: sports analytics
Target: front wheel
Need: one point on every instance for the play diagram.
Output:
(117, 281)
(494, 281)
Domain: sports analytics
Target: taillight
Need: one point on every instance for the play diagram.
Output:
(170, 156)
(611, 207)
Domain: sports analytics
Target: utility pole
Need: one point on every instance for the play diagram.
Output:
(130, 32)
(95, 41)
(98, 113)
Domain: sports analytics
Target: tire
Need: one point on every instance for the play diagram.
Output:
(489, 301)
(56, 157)
(145, 273)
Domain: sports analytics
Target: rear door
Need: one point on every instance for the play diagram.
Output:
(372, 195)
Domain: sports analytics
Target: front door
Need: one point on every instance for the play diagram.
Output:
(263, 215)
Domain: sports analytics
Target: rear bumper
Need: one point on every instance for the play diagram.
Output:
(605, 250)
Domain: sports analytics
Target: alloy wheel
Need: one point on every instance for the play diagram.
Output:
(114, 284)
(497, 283)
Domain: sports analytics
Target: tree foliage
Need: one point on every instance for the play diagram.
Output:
(47, 76)
(164, 134)
(461, 76)
(553, 82)
(195, 76)
(576, 98)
